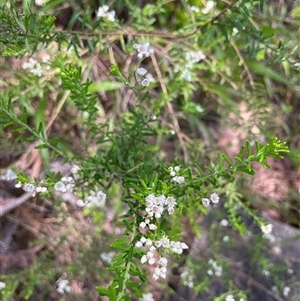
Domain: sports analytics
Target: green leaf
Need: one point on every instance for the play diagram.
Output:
(295, 13)
(104, 86)
(227, 159)
(120, 244)
(268, 72)
(41, 146)
(102, 291)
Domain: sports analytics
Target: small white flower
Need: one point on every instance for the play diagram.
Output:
(195, 9)
(165, 242)
(205, 202)
(147, 297)
(150, 78)
(158, 244)
(151, 261)
(141, 71)
(224, 222)
(107, 257)
(143, 225)
(286, 291)
(290, 271)
(171, 210)
(60, 186)
(218, 272)
(163, 261)
(234, 31)
(267, 229)
(39, 189)
(143, 50)
(229, 298)
(172, 173)
(63, 287)
(152, 249)
(178, 179)
(215, 198)
(145, 82)
(152, 227)
(39, 2)
(170, 201)
(208, 7)
(18, 185)
(75, 169)
(9, 175)
(144, 259)
(138, 244)
(266, 273)
(186, 75)
(176, 168)
(102, 11)
(210, 272)
(111, 16)
(2, 285)
(184, 245)
(194, 57)
(226, 238)
(28, 187)
(143, 239)
(149, 242)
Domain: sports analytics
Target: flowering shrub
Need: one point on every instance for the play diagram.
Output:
(112, 132)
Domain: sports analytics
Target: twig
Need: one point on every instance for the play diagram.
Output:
(242, 62)
(12, 203)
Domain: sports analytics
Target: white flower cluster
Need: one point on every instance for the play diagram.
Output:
(147, 297)
(9, 175)
(63, 286)
(226, 238)
(66, 184)
(143, 50)
(208, 7)
(28, 187)
(161, 268)
(187, 278)
(266, 273)
(96, 198)
(195, 9)
(224, 222)
(34, 66)
(155, 206)
(39, 2)
(103, 12)
(2, 285)
(214, 198)
(192, 57)
(216, 269)
(267, 233)
(148, 78)
(175, 177)
(286, 291)
(229, 298)
(107, 257)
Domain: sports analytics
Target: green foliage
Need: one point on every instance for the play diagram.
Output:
(208, 64)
